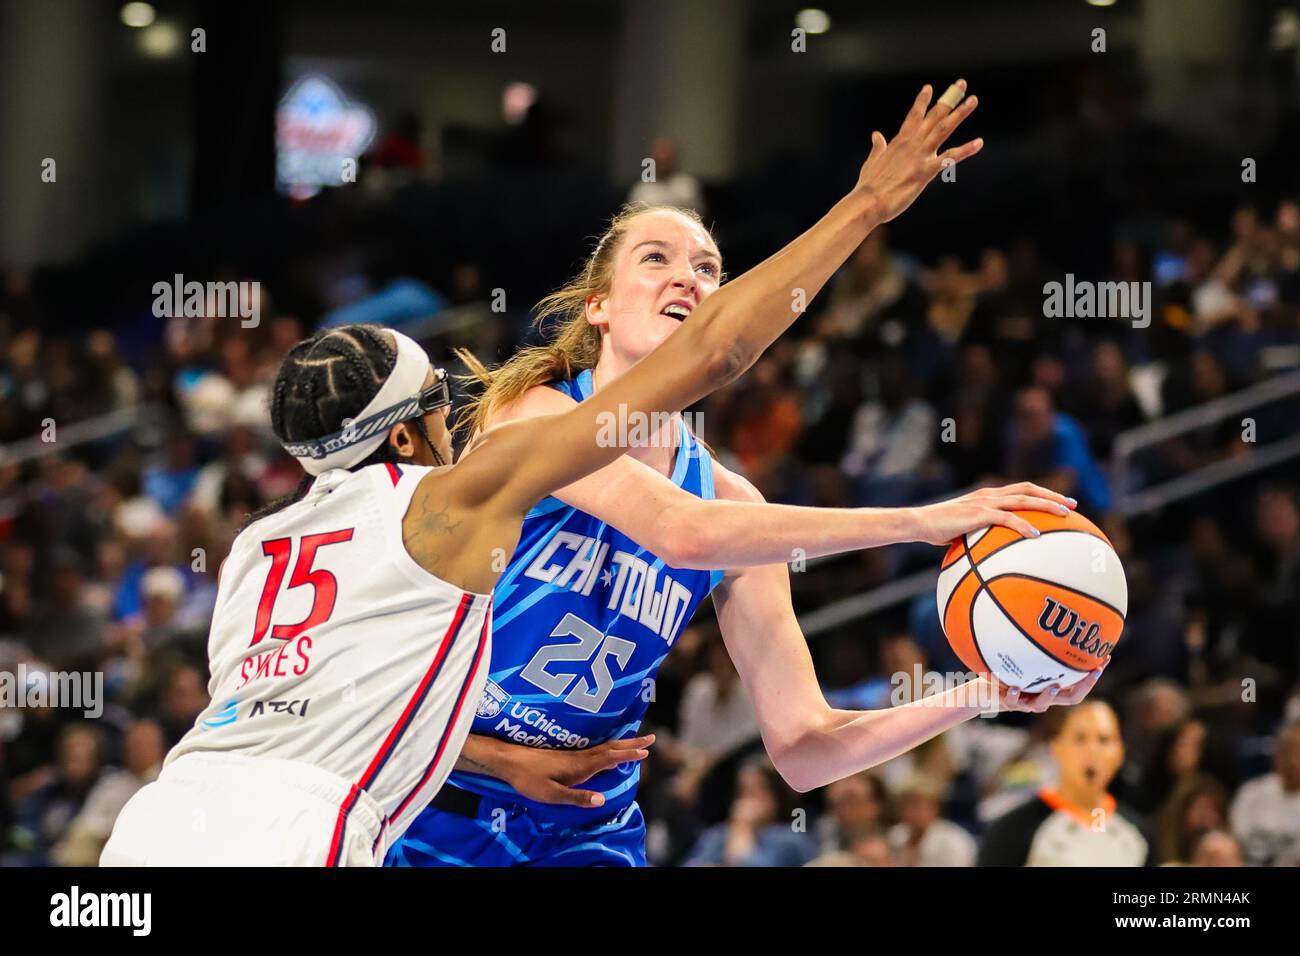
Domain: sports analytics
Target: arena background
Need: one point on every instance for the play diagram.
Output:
(494, 140)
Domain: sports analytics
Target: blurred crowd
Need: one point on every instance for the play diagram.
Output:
(907, 380)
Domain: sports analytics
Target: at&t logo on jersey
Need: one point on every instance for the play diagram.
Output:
(228, 713)
(493, 699)
(294, 708)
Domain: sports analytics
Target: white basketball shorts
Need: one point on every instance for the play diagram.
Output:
(218, 809)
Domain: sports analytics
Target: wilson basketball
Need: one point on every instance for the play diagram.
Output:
(1033, 611)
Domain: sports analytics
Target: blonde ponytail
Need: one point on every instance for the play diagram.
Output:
(574, 344)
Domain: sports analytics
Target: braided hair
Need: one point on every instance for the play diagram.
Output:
(324, 380)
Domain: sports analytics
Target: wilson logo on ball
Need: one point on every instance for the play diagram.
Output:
(1059, 620)
(1022, 608)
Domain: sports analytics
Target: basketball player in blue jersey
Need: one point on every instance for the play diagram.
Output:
(610, 569)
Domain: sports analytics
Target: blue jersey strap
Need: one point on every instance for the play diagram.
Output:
(707, 490)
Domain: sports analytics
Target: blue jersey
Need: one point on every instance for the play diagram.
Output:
(582, 618)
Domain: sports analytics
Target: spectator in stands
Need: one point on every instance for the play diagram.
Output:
(952, 298)
(1216, 848)
(17, 558)
(767, 424)
(1107, 405)
(716, 716)
(1219, 607)
(170, 481)
(116, 380)
(41, 818)
(716, 721)
(857, 806)
(763, 829)
(870, 848)
(1198, 804)
(143, 751)
(978, 408)
(873, 284)
(1184, 752)
(668, 185)
(162, 589)
(1277, 573)
(922, 837)
(66, 629)
(243, 458)
(1266, 812)
(1154, 707)
(1048, 447)
(892, 436)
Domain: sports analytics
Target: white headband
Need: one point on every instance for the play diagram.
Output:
(396, 401)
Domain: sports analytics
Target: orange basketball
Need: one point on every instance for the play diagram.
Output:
(1033, 611)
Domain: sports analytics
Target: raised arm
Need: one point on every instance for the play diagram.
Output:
(729, 330)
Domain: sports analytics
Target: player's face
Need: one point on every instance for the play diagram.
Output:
(664, 268)
(1088, 749)
(410, 443)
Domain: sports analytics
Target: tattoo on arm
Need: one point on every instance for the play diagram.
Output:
(431, 524)
(474, 766)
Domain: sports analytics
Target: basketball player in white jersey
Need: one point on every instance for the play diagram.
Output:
(351, 633)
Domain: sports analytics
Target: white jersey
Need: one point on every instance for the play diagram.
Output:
(331, 647)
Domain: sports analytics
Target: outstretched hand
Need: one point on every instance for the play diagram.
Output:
(942, 522)
(1012, 698)
(552, 776)
(898, 169)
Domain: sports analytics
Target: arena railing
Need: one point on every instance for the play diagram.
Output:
(1131, 502)
(80, 433)
(1128, 501)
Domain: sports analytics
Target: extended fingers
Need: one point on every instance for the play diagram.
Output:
(1012, 698)
(1028, 503)
(607, 757)
(943, 128)
(947, 117)
(964, 151)
(1029, 488)
(1080, 690)
(561, 795)
(941, 109)
(916, 115)
(1037, 703)
(1013, 521)
(625, 743)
